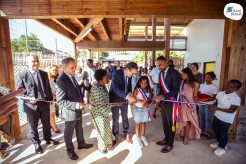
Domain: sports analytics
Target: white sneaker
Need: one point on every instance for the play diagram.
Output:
(215, 145)
(219, 152)
(146, 143)
(140, 143)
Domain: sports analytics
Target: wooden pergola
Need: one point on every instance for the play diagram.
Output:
(105, 25)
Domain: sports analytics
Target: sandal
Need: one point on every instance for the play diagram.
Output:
(177, 137)
(186, 141)
(3, 154)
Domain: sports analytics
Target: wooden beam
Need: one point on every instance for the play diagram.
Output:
(66, 25)
(82, 25)
(93, 22)
(153, 29)
(121, 28)
(121, 45)
(158, 24)
(54, 26)
(157, 37)
(110, 9)
(127, 30)
(105, 30)
(167, 33)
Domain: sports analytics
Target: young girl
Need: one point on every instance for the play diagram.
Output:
(204, 113)
(142, 94)
(188, 121)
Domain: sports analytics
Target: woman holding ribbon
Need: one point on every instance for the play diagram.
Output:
(143, 94)
(188, 121)
(100, 109)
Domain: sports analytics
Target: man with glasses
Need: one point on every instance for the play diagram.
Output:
(120, 92)
(70, 100)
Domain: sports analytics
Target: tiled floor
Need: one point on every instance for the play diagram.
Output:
(196, 152)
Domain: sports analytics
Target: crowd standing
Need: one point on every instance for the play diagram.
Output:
(113, 89)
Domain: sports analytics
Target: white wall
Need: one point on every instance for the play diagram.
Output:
(204, 44)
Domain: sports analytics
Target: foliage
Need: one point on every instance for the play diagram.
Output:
(34, 44)
(139, 58)
(102, 55)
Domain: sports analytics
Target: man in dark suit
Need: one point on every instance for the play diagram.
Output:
(172, 79)
(120, 91)
(70, 101)
(37, 87)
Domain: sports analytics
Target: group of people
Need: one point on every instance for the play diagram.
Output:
(113, 89)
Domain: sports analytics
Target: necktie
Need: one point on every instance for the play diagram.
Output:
(126, 84)
(76, 86)
(38, 83)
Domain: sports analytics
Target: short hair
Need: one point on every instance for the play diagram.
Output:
(109, 62)
(131, 65)
(90, 60)
(171, 61)
(196, 65)
(236, 82)
(99, 74)
(211, 74)
(161, 58)
(66, 61)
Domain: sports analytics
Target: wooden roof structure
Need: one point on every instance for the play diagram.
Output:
(109, 25)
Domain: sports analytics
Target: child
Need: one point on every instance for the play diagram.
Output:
(204, 113)
(227, 103)
(142, 94)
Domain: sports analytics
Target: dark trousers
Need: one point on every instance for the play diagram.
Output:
(167, 111)
(221, 131)
(68, 133)
(42, 112)
(115, 115)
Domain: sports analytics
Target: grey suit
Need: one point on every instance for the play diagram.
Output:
(68, 95)
(40, 109)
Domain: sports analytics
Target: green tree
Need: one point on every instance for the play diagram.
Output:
(139, 58)
(102, 55)
(19, 44)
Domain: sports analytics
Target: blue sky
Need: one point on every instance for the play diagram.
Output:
(46, 35)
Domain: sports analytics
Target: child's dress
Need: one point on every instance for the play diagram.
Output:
(140, 115)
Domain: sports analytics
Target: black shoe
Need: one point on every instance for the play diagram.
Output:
(72, 155)
(115, 141)
(161, 143)
(38, 149)
(205, 135)
(85, 146)
(167, 149)
(54, 142)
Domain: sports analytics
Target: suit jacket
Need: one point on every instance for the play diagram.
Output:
(67, 96)
(25, 80)
(117, 89)
(172, 79)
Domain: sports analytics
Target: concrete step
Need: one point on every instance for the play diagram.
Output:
(241, 128)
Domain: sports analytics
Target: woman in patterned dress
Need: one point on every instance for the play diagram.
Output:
(100, 112)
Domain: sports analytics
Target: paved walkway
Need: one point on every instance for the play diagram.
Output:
(196, 152)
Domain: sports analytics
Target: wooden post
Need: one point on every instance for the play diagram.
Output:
(233, 64)
(6, 63)
(7, 70)
(90, 54)
(153, 38)
(75, 53)
(167, 27)
(146, 39)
